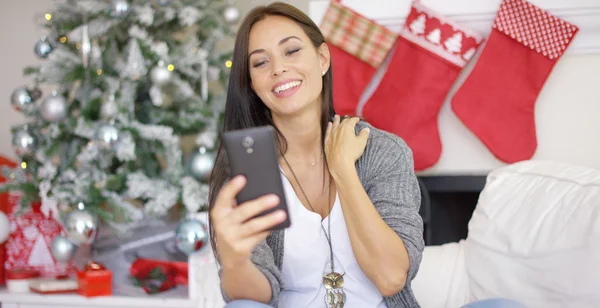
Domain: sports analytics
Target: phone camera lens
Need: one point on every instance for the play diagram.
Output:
(247, 142)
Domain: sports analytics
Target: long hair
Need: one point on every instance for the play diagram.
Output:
(244, 109)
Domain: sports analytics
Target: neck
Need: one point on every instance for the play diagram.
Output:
(303, 136)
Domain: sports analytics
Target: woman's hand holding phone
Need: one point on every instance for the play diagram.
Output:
(237, 232)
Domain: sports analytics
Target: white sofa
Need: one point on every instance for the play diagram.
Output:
(534, 237)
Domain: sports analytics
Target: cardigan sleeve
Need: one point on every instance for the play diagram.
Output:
(392, 186)
(262, 257)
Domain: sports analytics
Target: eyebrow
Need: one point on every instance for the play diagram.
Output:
(280, 43)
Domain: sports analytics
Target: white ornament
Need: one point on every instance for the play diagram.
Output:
(160, 75)
(418, 25)
(469, 54)
(434, 36)
(454, 44)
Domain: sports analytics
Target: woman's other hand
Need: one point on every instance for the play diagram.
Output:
(237, 232)
(342, 146)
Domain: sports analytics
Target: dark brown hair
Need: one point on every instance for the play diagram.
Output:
(243, 108)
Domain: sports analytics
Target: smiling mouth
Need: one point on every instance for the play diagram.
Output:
(286, 86)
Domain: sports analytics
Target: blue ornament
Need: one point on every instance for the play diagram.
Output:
(43, 48)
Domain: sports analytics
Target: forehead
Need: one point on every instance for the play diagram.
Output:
(269, 31)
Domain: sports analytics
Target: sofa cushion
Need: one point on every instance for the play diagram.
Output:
(442, 278)
(535, 236)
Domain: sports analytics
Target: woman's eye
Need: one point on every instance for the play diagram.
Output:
(291, 52)
(259, 64)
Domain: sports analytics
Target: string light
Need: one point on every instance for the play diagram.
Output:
(228, 63)
(99, 71)
(24, 165)
(78, 46)
(48, 16)
(171, 67)
(63, 39)
(12, 176)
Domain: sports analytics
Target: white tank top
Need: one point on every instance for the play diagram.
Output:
(306, 258)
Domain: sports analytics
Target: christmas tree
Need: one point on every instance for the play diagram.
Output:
(454, 44)
(418, 25)
(131, 80)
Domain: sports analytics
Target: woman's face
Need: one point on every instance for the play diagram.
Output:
(285, 68)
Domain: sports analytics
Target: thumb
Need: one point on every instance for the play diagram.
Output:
(364, 134)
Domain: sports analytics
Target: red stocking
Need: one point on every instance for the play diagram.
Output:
(430, 53)
(497, 100)
(358, 46)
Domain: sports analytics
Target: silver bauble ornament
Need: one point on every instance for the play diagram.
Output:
(24, 143)
(191, 236)
(54, 108)
(231, 14)
(23, 100)
(62, 249)
(201, 164)
(43, 48)
(160, 75)
(119, 8)
(106, 136)
(81, 227)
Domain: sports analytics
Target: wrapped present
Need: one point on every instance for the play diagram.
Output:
(94, 280)
(4, 162)
(28, 245)
(53, 286)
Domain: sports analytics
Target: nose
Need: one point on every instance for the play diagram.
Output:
(278, 67)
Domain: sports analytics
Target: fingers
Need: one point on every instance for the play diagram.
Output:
(250, 209)
(226, 197)
(336, 122)
(262, 223)
(328, 131)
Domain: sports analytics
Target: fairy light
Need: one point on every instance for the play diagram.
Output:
(228, 63)
(171, 67)
(24, 165)
(99, 71)
(78, 46)
(48, 16)
(12, 176)
(63, 39)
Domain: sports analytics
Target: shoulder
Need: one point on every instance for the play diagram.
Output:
(384, 149)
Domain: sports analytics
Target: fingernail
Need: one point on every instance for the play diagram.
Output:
(239, 179)
(368, 130)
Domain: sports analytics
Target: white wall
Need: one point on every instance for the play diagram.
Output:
(567, 110)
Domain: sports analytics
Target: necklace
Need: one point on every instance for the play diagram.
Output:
(312, 164)
(333, 282)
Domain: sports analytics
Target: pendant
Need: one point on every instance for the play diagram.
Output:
(334, 294)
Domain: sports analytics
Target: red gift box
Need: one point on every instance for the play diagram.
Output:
(94, 280)
(29, 242)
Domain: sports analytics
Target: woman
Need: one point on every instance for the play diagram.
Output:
(351, 189)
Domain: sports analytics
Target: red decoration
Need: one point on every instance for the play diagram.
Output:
(157, 276)
(28, 246)
(430, 53)
(94, 280)
(497, 100)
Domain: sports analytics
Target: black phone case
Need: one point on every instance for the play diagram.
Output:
(252, 153)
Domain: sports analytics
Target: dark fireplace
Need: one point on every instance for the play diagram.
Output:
(447, 203)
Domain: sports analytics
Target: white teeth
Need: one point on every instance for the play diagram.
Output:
(286, 86)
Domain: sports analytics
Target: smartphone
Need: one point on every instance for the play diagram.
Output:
(253, 153)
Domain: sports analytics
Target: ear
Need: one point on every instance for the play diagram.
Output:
(324, 57)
